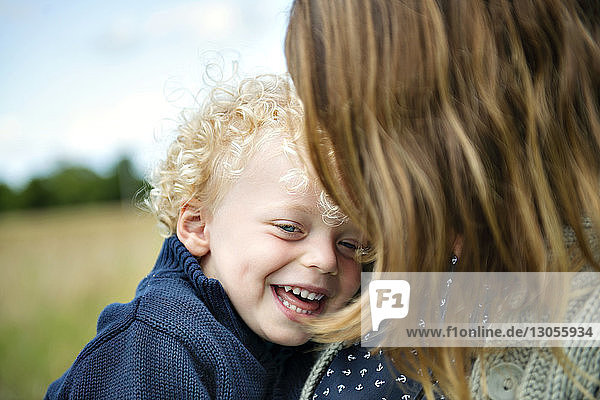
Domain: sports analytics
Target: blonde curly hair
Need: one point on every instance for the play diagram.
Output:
(214, 144)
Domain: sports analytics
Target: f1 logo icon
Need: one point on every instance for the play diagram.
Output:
(389, 299)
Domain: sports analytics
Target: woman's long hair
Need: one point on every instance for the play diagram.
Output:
(429, 120)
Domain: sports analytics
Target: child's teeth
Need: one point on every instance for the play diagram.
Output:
(293, 307)
(304, 293)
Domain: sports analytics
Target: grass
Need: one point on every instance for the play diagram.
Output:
(59, 269)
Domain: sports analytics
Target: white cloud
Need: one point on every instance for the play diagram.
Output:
(25, 151)
(139, 125)
(133, 124)
(190, 22)
(204, 19)
(122, 35)
(10, 126)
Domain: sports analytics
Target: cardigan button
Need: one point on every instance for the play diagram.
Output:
(503, 381)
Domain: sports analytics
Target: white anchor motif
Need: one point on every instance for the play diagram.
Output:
(379, 367)
(347, 372)
(330, 371)
(359, 387)
(378, 383)
(326, 392)
(406, 397)
(315, 396)
(362, 372)
(401, 378)
(340, 388)
(380, 352)
(351, 357)
(368, 355)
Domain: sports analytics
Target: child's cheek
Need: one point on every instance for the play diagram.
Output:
(350, 279)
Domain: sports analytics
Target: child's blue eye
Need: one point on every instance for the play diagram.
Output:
(288, 228)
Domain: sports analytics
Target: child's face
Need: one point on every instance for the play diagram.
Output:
(264, 241)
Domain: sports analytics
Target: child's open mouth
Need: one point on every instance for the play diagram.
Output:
(299, 299)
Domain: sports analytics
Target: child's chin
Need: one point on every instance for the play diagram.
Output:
(295, 339)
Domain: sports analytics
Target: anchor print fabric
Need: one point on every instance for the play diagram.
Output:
(358, 373)
(361, 373)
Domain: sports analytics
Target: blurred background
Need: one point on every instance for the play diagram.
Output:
(91, 93)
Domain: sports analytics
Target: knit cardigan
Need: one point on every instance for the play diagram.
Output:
(180, 337)
(539, 373)
(526, 373)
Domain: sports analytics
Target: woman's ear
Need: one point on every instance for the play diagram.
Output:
(458, 245)
(191, 230)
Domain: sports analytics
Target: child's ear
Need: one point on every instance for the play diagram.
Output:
(191, 230)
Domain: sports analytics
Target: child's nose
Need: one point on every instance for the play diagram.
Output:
(321, 254)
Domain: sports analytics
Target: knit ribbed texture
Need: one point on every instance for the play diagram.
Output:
(318, 370)
(544, 377)
(180, 338)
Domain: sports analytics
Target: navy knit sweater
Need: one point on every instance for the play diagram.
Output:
(180, 337)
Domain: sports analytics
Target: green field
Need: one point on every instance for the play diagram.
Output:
(59, 269)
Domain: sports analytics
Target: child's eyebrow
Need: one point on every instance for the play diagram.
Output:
(334, 219)
(296, 206)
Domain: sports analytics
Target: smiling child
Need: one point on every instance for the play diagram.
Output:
(254, 248)
(277, 259)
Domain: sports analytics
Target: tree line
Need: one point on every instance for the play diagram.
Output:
(72, 185)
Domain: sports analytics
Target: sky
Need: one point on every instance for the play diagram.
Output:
(86, 82)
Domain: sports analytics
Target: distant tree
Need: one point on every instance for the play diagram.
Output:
(36, 194)
(74, 185)
(8, 198)
(124, 183)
